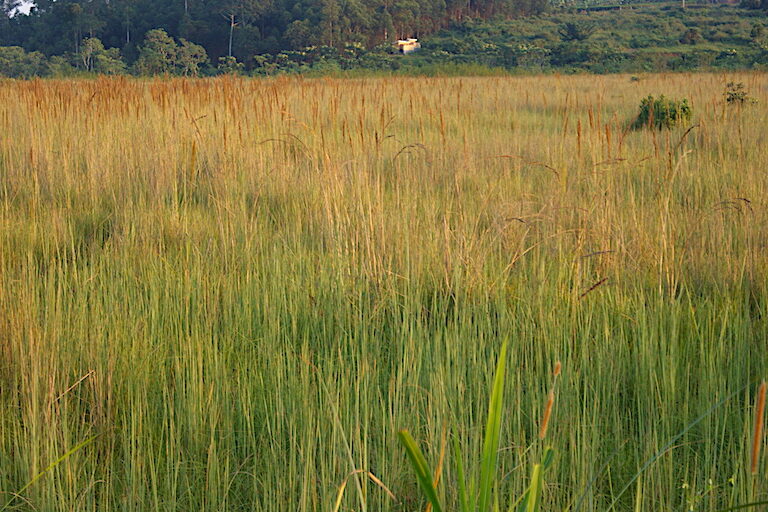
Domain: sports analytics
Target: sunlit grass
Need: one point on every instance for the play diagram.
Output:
(247, 288)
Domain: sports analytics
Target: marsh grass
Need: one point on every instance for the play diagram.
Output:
(265, 281)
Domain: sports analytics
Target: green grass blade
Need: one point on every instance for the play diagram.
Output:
(52, 465)
(462, 483)
(580, 499)
(548, 458)
(521, 502)
(745, 506)
(340, 496)
(639, 495)
(534, 493)
(337, 423)
(670, 443)
(423, 473)
(492, 433)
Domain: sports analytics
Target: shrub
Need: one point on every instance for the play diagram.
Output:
(59, 67)
(662, 112)
(736, 94)
(758, 32)
(17, 63)
(230, 66)
(575, 31)
(691, 36)
(264, 65)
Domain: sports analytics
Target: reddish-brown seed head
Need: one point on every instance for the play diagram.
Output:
(757, 437)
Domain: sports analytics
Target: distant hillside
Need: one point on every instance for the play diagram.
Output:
(605, 39)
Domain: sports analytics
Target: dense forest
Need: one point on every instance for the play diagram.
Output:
(193, 37)
(239, 28)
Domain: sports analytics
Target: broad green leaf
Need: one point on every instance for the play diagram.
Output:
(534, 493)
(492, 434)
(423, 473)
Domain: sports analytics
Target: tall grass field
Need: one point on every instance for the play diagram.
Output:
(232, 294)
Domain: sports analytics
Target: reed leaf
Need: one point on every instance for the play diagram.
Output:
(492, 434)
(420, 466)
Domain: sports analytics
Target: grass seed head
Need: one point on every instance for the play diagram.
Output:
(757, 438)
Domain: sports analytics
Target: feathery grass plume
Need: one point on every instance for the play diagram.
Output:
(757, 438)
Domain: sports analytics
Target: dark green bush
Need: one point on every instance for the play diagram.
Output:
(691, 36)
(662, 112)
(576, 31)
(736, 94)
(17, 63)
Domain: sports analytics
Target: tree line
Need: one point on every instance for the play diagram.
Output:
(236, 30)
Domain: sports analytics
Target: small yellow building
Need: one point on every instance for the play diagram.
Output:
(406, 46)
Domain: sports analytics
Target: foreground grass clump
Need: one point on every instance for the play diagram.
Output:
(246, 289)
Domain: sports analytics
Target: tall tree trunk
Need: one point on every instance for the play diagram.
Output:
(231, 31)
